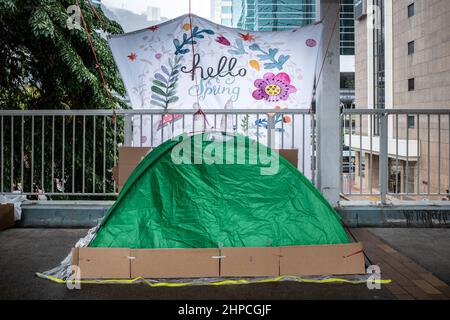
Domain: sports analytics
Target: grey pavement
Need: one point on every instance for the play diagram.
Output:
(429, 248)
(23, 252)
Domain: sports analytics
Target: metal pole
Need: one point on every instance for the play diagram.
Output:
(383, 165)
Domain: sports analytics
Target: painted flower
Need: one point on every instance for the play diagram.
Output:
(132, 56)
(223, 40)
(153, 28)
(273, 88)
(247, 37)
(186, 26)
(158, 56)
(311, 43)
(287, 119)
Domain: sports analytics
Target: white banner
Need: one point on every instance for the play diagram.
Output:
(234, 69)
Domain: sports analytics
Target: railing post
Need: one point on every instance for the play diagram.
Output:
(270, 131)
(128, 134)
(383, 163)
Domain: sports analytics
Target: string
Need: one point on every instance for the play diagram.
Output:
(194, 76)
(97, 62)
(97, 16)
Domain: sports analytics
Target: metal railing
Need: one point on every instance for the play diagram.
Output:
(61, 154)
(395, 154)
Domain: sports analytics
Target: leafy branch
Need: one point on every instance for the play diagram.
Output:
(165, 84)
(271, 56)
(190, 40)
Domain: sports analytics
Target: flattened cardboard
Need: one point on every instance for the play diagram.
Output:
(132, 155)
(115, 263)
(290, 155)
(249, 262)
(104, 263)
(129, 158)
(338, 259)
(75, 256)
(6, 216)
(174, 263)
(115, 173)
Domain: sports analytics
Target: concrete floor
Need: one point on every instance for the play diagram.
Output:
(26, 251)
(428, 247)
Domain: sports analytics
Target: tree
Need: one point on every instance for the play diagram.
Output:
(47, 65)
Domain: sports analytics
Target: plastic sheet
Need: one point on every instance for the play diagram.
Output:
(354, 280)
(16, 200)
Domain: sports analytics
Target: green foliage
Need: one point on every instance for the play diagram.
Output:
(47, 65)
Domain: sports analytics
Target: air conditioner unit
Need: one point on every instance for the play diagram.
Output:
(360, 8)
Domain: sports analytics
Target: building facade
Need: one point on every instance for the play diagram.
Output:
(403, 62)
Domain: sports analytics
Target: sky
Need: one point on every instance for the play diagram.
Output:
(169, 8)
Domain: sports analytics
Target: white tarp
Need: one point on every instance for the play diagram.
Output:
(234, 69)
(16, 200)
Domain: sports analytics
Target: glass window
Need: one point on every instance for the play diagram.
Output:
(411, 122)
(226, 10)
(411, 47)
(411, 10)
(411, 84)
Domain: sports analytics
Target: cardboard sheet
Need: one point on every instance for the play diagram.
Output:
(104, 263)
(249, 262)
(116, 263)
(290, 155)
(129, 158)
(337, 259)
(6, 216)
(174, 263)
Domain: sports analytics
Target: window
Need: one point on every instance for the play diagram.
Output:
(226, 10)
(411, 84)
(411, 10)
(411, 47)
(411, 122)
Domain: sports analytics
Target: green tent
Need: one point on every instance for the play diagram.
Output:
(206, 204)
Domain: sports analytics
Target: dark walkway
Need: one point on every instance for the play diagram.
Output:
(25, 251)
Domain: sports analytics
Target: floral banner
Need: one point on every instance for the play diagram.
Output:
(234, 69)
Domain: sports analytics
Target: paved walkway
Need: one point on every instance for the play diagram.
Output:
(409, 279)
(25, 251)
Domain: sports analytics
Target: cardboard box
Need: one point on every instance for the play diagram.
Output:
(129, 158)
(116, 263)
(338, 259)
(290, 155)
(250, 262)
(103, 263)
(175, 263)
(6, 216)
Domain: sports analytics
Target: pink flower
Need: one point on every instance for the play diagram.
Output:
(273, 88)
(158, 56)
(223, 40)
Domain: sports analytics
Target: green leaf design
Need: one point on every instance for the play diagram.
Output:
(159, 91)
(164, 92)
(159, 83)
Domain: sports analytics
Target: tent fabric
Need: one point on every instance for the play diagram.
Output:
(170, 205)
